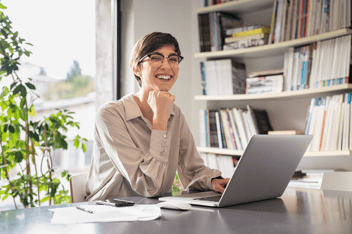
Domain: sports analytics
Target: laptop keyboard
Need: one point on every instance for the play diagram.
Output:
(213, 199)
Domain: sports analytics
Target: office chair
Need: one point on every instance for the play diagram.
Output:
(78, 187)
(337, 181)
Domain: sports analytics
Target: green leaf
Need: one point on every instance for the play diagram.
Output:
(84, 148)
(30, 86)
(44, 199)
(4, 92)
(11, 129)
(17, 89)
(76, 143)
(18, 156)
(27, 43)
(23, 101)
(2, 6)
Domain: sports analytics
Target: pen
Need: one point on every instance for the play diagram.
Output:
(82, 209)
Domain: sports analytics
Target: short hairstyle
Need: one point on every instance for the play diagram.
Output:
(148, 44)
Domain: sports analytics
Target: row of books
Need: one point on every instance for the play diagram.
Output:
(212, 29)
(223, 77)
(323, 63)
(245, 37)
(293, 19)
(231, 128)
(215, 2)
(224, 163)
(329, 121)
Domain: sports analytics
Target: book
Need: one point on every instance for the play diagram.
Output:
(263, 30)
(214, 139)
(262, 121)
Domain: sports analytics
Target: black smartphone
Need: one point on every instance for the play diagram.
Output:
(115, 202)
(120, 202)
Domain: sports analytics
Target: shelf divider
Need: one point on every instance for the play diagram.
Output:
(285, 94)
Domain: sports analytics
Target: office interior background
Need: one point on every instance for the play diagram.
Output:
(117, 25)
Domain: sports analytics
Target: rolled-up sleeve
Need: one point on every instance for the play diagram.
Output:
(144, 171)
(194, 175)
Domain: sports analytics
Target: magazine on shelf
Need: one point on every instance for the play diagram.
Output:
(265, 84)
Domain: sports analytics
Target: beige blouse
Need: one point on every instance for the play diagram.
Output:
(131, 159)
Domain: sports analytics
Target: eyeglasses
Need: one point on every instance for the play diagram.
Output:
(157, 59)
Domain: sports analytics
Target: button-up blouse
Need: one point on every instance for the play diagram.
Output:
(131, 159)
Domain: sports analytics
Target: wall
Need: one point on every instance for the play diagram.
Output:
(104, 53)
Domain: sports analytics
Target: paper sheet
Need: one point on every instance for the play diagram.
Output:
(103, 213)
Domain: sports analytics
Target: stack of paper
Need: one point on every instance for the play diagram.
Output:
(105, 214)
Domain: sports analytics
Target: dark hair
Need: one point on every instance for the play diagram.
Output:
(148, 44)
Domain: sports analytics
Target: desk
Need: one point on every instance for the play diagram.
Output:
(297, 211)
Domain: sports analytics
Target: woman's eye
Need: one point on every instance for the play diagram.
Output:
(173, 59)
(156, 58)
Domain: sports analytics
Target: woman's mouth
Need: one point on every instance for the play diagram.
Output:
(164, 77)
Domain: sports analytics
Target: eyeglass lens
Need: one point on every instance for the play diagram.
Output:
(157, 59)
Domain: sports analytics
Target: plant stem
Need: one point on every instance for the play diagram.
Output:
(6, 173)
(35, 167)
(49, 166)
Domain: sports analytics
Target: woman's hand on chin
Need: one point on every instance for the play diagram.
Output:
(161, 103)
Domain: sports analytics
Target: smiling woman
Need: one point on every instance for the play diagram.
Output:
(143, 139)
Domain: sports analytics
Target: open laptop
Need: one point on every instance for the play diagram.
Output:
(263, 172)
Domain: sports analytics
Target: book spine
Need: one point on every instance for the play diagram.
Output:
(202, 70)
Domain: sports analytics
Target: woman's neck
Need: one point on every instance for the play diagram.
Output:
(141, 99)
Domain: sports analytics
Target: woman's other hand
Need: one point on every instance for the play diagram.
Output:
(219, 184)
(161, 103)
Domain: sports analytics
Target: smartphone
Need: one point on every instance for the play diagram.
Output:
(115, 202)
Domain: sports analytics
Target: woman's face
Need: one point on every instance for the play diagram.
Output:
(158, 76)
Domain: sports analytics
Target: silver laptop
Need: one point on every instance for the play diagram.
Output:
(263, 172)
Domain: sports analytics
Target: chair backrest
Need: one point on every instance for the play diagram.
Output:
(341, 181)
(78, 187)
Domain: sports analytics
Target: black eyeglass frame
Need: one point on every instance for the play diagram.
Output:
(148, 55)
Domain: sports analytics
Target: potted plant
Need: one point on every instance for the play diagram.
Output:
(24, 143)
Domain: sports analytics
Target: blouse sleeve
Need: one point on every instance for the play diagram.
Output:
(192, 172)
(145, 172)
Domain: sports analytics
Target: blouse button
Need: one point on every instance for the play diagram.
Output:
(163, 144)
(161, 153)
(164, 135)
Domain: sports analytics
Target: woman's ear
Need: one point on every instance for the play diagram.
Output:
(137, 71)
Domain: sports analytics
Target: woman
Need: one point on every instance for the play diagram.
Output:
(141, 140)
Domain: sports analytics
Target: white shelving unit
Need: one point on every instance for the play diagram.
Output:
(242, 7)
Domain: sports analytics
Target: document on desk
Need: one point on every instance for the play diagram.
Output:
(105, 214)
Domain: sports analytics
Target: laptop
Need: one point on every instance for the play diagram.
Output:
(263, 172)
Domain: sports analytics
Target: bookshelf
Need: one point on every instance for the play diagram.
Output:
(272, 54)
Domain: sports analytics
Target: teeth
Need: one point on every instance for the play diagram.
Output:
(164, 77)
